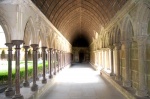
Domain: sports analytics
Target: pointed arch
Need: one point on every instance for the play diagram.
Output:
(6, 28)
(127, 29)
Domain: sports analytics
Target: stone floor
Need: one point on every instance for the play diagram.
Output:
(78, 82)
(81, 82)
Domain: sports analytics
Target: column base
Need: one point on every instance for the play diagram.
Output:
(18, 97)
(118, 78)
(37, 78)
(142, 93)
(44, 81)
(34, 87)
(26, 84)
(127, 84)
(9, 92)
(50, 76)
(111, 74)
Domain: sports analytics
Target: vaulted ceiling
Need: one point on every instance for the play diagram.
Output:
(79, 18)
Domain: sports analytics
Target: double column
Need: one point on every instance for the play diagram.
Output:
(17, 95)
(26, 83)
(142, 86)
(50, 62)
(9, 91)
(34, 86)
(54, 57)
(43, 56)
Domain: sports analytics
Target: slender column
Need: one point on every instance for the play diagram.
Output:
(62, 60)
(43, 56)
(58, 60)
(36, 66)
(127, 80)
(17, 95)
(50, 60)
(118, 47)
(34, 86)
(54, 57)
(111, 60)
(9, 91)
(142, 86)
(26, 83)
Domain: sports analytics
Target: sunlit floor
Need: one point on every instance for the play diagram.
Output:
(81, 82)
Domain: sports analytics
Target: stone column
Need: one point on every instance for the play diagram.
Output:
(17, 95)
(142, 86)
(34, 86)
(54, 57)
(58, 60)
(26, 83)
(43, 56)
(118, 47)
(50, 60)
(9, 91)
(36, 66)
(62, 60)
(127, 80)
(111, 60)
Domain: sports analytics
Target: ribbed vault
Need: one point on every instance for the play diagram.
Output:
(79, 17)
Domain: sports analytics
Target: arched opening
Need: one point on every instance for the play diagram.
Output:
(3, 48)
(81, 56)
(80, 49)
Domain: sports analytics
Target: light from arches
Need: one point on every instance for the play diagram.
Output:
(3, 39)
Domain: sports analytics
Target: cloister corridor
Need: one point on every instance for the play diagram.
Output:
(51, 49)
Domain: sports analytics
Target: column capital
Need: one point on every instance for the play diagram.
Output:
(43, 48)
(126, 44)
(25, 47)
(50, 48)
(141, 40)
(117, 46)
(34, 46)
(9, 44)
(111, 46)
(17, 42)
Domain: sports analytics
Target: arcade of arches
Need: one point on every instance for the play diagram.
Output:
(111, 35)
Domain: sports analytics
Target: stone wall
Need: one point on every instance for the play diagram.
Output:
(81, 50)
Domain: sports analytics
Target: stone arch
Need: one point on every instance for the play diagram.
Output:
(117, 35)
(111, 37)
(6, 28)
(142, 19)
(28, 32)
(43, 35)
(34, 35)
(127, 29)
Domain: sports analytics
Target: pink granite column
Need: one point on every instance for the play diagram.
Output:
(9, 91)
(34, 85)
(50, 60)
(43, 56)
(26, 83)
(17, 95)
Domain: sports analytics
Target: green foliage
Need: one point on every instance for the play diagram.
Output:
(3, 54)
(4, 74)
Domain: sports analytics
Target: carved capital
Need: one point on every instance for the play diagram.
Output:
(117, 46)
(141, 40)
